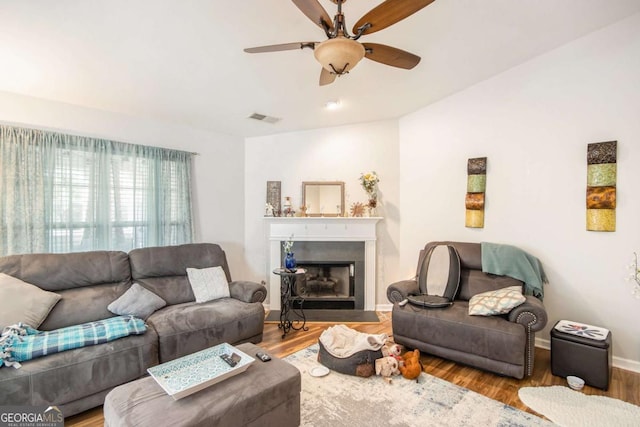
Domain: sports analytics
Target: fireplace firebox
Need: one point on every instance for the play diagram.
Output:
(327, 285)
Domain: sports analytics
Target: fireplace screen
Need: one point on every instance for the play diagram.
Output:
(327, 285)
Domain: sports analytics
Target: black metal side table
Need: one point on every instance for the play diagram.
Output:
(287, 300)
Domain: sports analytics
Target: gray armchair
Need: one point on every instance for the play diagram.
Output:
(503, 344)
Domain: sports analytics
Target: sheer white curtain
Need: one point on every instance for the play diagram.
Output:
(65, 193)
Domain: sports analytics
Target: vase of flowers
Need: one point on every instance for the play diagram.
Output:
(289, 258)
(369, 182)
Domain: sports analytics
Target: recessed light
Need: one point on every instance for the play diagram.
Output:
(332, 105)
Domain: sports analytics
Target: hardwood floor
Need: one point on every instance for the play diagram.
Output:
(625, 385)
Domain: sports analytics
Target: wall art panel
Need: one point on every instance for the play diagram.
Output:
(601, 186)
(476, 188)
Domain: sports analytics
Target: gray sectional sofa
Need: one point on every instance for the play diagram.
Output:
(503, 344)
(77, 380)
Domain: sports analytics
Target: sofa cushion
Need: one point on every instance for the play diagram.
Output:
(90, 280)
(137, 301)
(500, 301)
(473, 282)
(64, 377)
(208, 284)
(163, 270)
(491, 337)
(189, 327)
(23, 302)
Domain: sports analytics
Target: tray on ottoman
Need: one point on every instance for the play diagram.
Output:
(188, 374)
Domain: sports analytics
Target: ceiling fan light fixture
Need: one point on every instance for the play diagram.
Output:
(339, 55)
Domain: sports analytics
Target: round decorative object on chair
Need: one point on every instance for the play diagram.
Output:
(438, 277)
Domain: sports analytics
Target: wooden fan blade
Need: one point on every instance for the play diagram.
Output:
(326, 77)
(314, 11)
(279, 47)
(390, 55)
(388, 13)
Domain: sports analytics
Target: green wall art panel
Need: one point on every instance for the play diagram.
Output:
(602, 175)
(476, 183)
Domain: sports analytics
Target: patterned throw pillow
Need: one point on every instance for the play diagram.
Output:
(500, 301)
(208, 284)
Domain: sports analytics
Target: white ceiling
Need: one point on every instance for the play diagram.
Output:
(182, 61)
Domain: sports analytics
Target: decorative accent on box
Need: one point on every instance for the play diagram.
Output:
(582, 330)
(476, 188)
(601, 186)
(273, 198)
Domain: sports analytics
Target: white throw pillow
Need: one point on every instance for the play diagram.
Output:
(23, 302)
(208, 284)
(500, 301)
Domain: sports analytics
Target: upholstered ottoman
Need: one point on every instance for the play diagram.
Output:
(583, 351)
(267, 393)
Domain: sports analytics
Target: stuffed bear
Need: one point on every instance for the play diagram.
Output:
(412, 366)
(386, 367)
(392, 349)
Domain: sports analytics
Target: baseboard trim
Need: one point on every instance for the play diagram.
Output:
(384, 307)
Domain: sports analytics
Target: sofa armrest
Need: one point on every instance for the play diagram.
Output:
(248, 291)
(531, 314)
(399, 291)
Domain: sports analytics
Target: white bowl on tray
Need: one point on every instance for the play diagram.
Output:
(575, 383)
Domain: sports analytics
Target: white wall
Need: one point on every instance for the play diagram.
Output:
(533, 123)
(331, 154)
(218, 171)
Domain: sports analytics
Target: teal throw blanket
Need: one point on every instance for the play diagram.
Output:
(506, 260)
(21, 342)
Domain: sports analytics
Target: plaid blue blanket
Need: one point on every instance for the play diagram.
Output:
(21, 342)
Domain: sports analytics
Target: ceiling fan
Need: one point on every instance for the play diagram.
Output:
(341, 51)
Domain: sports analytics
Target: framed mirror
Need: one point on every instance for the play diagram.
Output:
(323, 198)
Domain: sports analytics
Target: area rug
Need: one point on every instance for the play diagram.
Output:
(570, 408)
(344, 400)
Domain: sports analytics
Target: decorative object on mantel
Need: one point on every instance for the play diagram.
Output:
(476, 187)
(273, 198)
(268, 210)
(286, 208)
(357, 209)
(369, 182)
(601, 186)
(289, 259)
(635, 276)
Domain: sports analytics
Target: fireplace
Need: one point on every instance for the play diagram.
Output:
(327, 285)
(332, 249)
(335, 274)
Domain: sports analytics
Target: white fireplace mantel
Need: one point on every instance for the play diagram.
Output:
(322, 229)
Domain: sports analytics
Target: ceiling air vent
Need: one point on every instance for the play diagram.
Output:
(263, 118)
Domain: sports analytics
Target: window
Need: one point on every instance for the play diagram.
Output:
(63, 193)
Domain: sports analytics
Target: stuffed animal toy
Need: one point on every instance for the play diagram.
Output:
(412, 366)
(393, 350)
(386, 367)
